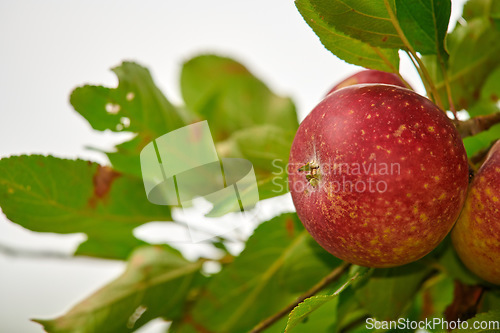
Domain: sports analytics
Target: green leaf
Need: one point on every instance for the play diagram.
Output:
(321, 319)
(48, 194)
(367, 21)
(474, 144)
(491, 300)
(268, 148)
(126, 158)
(486, 9)
(434, 298)
(440, 294)
(476, 8)
(425, 23)
(495, 13)
(349, 310)
(389, 291)
(491, 88)
(156, 283)
(304, 309)
(489, 320)
(136, 105)
(488, 102)
(280, 261)
(223, 92)
(473, 50)
(136, 98)
(450, 263)
(320, 16)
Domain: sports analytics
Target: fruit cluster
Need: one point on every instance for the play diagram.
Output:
(379, 176)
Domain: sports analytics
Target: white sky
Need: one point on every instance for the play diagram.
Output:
(49, 47)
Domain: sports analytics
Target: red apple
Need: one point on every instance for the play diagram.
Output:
(378, 175)
(476, 236)
(371, 76)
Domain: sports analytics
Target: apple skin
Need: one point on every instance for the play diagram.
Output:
(476, 235)
(374, 124)
(371, 76)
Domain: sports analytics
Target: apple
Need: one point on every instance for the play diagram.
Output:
(378, 174)
(476, 235)
(371, 76)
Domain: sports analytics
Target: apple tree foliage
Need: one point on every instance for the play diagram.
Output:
(282, 281)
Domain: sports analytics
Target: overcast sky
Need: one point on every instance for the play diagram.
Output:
(49, 47)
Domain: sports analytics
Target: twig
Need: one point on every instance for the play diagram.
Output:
(426, 85)
(478, 124)
(11, 251)
(333, 276)
(448, 88)
(34, 254)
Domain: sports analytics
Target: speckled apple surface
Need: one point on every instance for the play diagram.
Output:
(378, 134)
(476, 236)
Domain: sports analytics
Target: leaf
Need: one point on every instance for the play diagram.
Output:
(321, 319)
(367, 21)
(388, 291)
(436, 297)
(489, 96)
(490, 319)
(223, 92)
(488, 103)
(268, 148)
(491, 300)
(136, 98)
(486, 9)
(425, 23)
(473, 50)
(48, 194)
(126, 158)
(280, 261)
(476, 8)
(317, 16)
(495, 13)
(156, 283)
(135, 105)
(349, 310)
(304, 309)
(474, 144)
(450, 263)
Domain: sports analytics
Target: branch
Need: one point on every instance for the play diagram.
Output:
(478, 124)
(333, 276)
(447, 86)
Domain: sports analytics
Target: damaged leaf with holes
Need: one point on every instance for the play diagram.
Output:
(136, 105)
